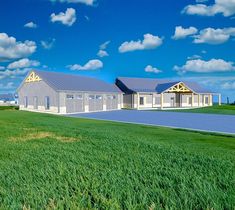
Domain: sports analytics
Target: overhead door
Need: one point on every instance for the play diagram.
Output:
(95, 102)
(74, 103)
(111, 102)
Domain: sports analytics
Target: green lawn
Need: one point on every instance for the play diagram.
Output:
(216, 109)
(54, 162)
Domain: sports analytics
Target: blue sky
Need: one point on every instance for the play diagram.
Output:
(181, 40)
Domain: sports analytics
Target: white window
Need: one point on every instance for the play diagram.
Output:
(68, 96)
(111, 97)
(79, 97)
(91, 97)
(141, 100)
(99, 97)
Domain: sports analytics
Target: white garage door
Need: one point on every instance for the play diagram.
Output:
(111, 102)
(74, 103)
(95, 102)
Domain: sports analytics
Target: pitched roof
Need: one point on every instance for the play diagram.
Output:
(71, 82)
(155, 85)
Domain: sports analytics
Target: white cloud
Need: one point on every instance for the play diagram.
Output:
(30, 25)
(11, 49)
(149, 42)
(48, 44)
(201, 1)
(67, 18)
(86, 17)
(152, 69)
(8, 86)
(2, 68)
(228, 85)
(14, 73)
(181, 33)
(214, 36)
(87, 2)
(104, 45)
(193, 57)
(102, 53)
(201, 66)
(90, 65)
(23, 63)
(224, 7)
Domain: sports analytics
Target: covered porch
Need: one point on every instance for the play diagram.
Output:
(175, 96)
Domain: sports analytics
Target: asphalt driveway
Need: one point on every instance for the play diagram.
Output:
(192, 121)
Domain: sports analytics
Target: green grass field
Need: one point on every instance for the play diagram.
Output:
(54, 162)
(216, 109)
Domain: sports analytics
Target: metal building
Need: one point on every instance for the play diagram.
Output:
(66, 93)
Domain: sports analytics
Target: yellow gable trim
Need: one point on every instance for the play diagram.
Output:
(180, 87)
(33, 77)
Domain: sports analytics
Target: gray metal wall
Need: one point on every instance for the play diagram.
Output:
(39, 89)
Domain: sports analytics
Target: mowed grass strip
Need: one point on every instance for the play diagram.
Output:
(109, 165)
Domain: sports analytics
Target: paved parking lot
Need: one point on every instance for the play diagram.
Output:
(193, 121)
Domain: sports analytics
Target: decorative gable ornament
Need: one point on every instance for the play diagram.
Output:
(33, 78)
(180, 87)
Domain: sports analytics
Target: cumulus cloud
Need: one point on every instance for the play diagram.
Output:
(23, 63)
(228, 85)
(201, 66)
(48, 44)
(104, 45)
(149, 42)
(87, 2)
(90, 65)
(207, 35)
(12, 49)
(102, 53)
(102, 49)
(7, 86)
(214, 36)
(194, 57)
(181, 33)
(67, 18)
(2, 68)
(30, 25)
(14, 73)
(152, 69)
(224, 7)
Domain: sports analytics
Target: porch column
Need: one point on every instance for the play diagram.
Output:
(192, 99)
(162, 100)
(203, 100)
(219, 99)
(138, 98)
(210, 100)
(198, 98)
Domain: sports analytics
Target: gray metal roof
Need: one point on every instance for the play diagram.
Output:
(71, 82)
(157, 85)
